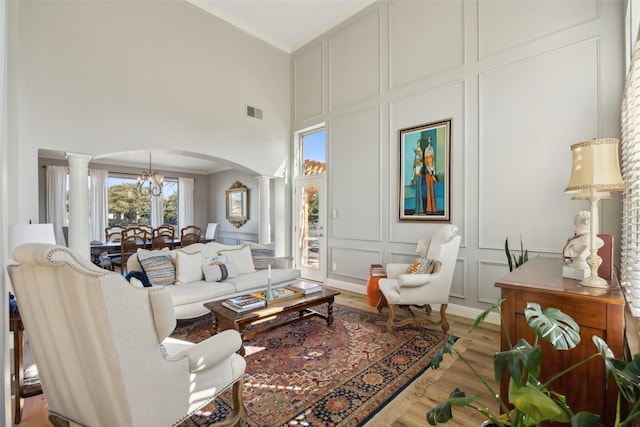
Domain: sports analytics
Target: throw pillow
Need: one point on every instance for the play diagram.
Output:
(421, 266)
(263, 256)
(157, 266)
(215, 269)
(188, 267)
(240, 258)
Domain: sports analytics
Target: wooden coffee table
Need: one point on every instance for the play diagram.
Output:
(225, 317)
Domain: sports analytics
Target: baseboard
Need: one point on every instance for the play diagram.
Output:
(455, 309)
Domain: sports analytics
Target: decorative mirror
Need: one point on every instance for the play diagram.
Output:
(236, 201)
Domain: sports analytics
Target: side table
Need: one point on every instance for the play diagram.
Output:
(22, 391)
(373, 291)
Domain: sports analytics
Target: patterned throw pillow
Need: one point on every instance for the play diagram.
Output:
(158, 266)
(263, 257)
(420, 266)
(217, 269)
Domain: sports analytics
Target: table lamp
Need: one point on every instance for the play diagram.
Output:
(19, 234)
(595, 173)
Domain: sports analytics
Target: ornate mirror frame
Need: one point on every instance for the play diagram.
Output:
(237, 203)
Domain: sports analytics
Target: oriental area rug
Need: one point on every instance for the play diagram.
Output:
(309, 374)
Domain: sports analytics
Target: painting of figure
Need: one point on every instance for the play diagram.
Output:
(424, 172)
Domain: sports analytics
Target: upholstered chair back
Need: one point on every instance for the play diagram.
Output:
(97, 340)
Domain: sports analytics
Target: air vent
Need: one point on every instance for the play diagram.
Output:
(254, 112)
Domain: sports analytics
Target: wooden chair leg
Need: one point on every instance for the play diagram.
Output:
(239, 411)
(443, 317)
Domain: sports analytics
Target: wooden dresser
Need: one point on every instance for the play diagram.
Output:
(597, 311)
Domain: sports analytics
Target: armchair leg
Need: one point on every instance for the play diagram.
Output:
(239, 411)
(391, 322)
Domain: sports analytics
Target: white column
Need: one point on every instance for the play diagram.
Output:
(79, 203)
(264, 232)
(280, 216)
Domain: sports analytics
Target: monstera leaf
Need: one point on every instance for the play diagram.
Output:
(553, 326)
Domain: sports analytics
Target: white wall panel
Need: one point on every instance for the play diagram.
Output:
(308, 83)
(420, 47)
(354, 61)
(489, 273)
(504, 24)
(459, 281)
(530, 114)
(355, 146)
(353, 263)
(430, 106)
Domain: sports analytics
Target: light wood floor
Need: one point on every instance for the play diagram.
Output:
(480, 347)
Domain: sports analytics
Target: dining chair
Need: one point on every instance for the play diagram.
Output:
(147, 228)
(190, 235)
(163, 236)
(131, 239)
(112, 234)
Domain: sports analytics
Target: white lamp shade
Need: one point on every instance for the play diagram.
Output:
(19, 234)
(595, 165)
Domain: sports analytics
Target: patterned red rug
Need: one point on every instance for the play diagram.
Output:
(307, 374)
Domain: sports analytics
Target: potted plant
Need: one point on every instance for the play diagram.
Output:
(530, 402)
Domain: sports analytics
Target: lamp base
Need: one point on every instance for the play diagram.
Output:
(595, 282)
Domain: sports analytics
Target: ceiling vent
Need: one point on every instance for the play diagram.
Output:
(254, 112)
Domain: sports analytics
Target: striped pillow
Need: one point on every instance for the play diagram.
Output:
(158, 267)
(263, 257)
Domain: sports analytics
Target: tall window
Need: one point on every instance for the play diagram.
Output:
(313, 147)
(128, 207)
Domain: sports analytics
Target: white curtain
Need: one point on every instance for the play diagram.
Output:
(157, 209)
(185, 202)
(98, 204)
(630, 164)
(57, 200)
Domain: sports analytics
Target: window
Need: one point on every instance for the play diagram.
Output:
(313, 148)
(128, 207)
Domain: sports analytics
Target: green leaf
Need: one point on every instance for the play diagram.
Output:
(508, 253)
(538, 406)
(626, 374)
(585, 419)
(521, 356)
(482, 316)
(553, 325)
(448, 348)
(442, 413)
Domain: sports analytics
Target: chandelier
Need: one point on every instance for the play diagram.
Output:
(150, 183)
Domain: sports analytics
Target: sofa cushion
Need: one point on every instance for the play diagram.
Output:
(240, 258)
(420, 266)
(188, 267)
(199, 291)
(158, 266)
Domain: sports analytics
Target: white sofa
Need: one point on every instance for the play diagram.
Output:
(189, 296)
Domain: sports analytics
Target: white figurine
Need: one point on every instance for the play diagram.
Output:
(577, 249)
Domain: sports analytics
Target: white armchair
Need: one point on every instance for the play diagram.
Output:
(402, 290)
(102, 350)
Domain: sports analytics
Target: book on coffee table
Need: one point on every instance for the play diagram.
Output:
(244, 303)
(305, 287)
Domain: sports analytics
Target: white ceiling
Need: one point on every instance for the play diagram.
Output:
(285, 24)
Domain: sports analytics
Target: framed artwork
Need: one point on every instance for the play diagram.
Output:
(425, 172)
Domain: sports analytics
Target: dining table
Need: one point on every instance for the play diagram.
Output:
(98, 248)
